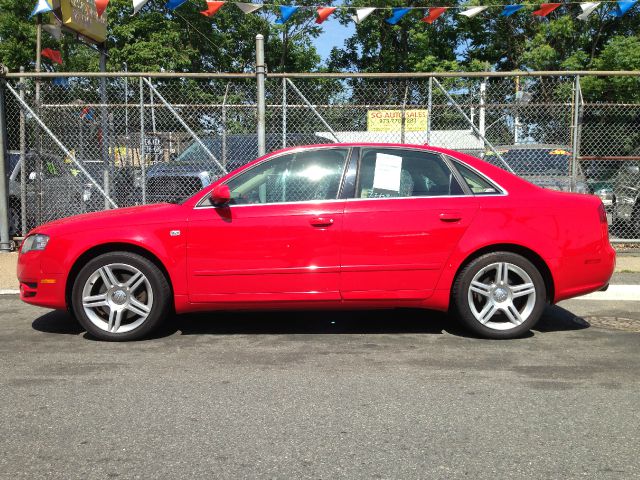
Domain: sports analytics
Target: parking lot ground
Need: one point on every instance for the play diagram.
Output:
(370, 394)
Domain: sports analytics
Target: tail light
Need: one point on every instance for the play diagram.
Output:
(603, 221)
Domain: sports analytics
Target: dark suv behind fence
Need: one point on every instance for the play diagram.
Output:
(194, 169)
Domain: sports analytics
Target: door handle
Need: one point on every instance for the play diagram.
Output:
(321, 221)
(450, 216)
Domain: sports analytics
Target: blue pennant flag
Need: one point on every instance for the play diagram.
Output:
(398, 13)
(285, 14)
(173, 4)
(61, 82)
(42, 7)
(623, 7)
(510, 10)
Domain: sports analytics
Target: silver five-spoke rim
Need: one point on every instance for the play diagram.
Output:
(117, 298)
(501, 296)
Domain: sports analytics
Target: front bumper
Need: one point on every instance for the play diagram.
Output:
(38, 287)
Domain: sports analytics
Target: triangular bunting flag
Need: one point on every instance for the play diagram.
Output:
(285, 14)
(362, 13)
(173, 4)
(138, 4)
(212, 8)
(41, 7)
(587, 9)
(101, 6)
(323, 13)
(433, 14)
(249, 7)
(398, 13)
(510, 10)
(623, 7)
(53, 55)
(473, 11)
(546, 8)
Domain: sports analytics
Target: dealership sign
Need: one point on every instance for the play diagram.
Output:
(391, 120)
(81, 16)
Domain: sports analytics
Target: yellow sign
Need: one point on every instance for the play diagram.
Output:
(81, 16)
(391, 120)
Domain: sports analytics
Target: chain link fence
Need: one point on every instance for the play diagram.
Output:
(84, 142)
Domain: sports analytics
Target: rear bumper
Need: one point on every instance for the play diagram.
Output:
(38, 287)
(582, 274)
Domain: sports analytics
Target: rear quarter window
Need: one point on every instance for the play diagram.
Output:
(476, 183)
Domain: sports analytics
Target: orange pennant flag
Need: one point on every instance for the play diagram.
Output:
(434, 13)
(212, 8)
(546, 9)
(323, 13)
(101, 6)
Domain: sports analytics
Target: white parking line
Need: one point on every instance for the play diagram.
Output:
(9, 292)
(616, 292)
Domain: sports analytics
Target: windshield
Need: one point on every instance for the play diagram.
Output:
(195, 153)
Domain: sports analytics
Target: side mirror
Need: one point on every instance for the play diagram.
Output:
(220, 195)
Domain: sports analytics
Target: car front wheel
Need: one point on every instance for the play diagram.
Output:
(499, 295)
(120, 296)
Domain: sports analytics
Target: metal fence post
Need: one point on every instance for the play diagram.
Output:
(104, 126)
(260, 76)
(429, 110)
(5, 241)
(403, 120)
(482, 113)
(577, 122)
(284, 112)
(23, 161)
(141, 157)
(224, 126)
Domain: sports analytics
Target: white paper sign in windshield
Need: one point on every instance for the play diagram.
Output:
(387, 173)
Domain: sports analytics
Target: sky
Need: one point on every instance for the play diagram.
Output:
(333, 35)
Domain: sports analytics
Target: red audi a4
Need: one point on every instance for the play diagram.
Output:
(338, 226)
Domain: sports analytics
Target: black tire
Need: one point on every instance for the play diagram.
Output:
(534, 303)
(161, 305)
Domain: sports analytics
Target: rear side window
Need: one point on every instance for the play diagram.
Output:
(477, 184)
(392, 172)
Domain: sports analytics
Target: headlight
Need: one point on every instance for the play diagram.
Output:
(34, 242)
(606, 195)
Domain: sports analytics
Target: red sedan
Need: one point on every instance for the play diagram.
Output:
(329, 227)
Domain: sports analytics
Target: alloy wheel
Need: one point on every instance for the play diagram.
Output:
(501, 296)
(117, 298)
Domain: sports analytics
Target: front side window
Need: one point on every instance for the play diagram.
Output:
(297, 177)
(389, 173)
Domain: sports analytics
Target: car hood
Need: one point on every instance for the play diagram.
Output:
(119, 217)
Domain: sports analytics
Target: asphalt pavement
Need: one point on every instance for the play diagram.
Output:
(386, 394)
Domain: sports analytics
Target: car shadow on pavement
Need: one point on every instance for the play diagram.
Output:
(396, 321)
(57, 321)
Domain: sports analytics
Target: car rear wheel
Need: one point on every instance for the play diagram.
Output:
(499, 295)
(120, 296)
